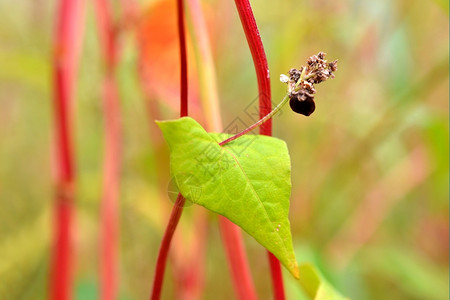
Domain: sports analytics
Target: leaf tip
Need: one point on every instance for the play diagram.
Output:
(295, 270)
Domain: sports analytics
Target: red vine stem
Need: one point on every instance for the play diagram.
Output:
(165, 246)
(111, 164)
(259, 60)
(277, 277)
(206, 68)
(109, 207)
(265, 106)
(183, 59)
(67, 45)
(107, 34)
(237, 260)
(179, 204)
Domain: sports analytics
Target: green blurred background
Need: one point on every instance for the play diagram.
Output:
(369, 202)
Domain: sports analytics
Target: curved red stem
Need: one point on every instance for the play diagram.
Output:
(111, 164)
(178, 207)
(183, 59)
(265, 106)
(277, 277)
(259, 60)
(110, 207)
(67, 45)
(237, 260)
(165, 246)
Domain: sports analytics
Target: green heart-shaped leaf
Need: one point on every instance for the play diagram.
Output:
(247, 180)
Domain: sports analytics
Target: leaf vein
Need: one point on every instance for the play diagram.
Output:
(257, 196)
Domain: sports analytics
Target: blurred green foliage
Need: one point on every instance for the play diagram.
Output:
(369, 204)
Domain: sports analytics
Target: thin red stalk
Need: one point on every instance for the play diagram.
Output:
(67, 42)
(106, 33)
(260, 122)
(265, 106)
(205, 66)
(165, 246)
(190, 267)
(109, 207)
(231, 233)
(111, 163)
(61, 280)
(183, 59)
(259, 60)
(277, 277)
(237, 260)
(178, 207)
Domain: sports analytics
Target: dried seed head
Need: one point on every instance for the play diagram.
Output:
(301, 82)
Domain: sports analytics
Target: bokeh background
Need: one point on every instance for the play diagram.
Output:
(370, 192)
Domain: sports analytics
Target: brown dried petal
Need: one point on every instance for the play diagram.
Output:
(333, 66)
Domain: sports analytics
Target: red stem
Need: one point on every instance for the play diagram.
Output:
(111, 164)
(183, 59)
(265, 106)
(106, 33)
(277, 277)
(109, 208)
(165, 246)
(67, 42)
(61, 281)
(190, 267)
(237, 260)
(178, 207)
(259, 60)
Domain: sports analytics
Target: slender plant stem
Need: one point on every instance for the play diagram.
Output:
(183, 59)
(61, 274)
(179, 204)
(165, 246)
(111, 164)
(190, 266)
(110, 192)
(259, 61)
(258, 123)
(263, 76)
(67, 43)
(205, 65)
(277, 277)
(107, 36)
(240, 269)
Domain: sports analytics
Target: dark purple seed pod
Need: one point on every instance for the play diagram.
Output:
(305, 107)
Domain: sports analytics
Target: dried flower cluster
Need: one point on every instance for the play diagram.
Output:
(301, 82)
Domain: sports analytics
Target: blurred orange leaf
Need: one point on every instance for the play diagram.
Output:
(159, 59)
